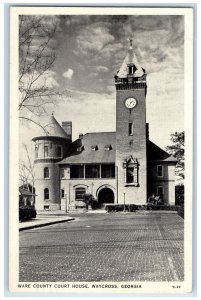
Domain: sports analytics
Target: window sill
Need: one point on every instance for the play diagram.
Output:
(132, 184)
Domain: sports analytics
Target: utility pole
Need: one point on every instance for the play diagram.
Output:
(124, 202)
(66, 203)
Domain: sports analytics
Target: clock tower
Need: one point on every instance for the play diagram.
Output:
(131, 140)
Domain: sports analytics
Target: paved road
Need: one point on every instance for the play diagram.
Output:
(109, 247)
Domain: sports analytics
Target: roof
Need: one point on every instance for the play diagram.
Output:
(90, 155)
(52, 129)
(130, 59)
(93, 148)
(155, 153)
(24, 192)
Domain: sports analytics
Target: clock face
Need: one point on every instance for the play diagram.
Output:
(130, 102)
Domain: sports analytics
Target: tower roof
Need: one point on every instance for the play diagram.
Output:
(51, 129)
(130, 59)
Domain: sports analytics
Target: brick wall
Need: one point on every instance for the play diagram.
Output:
(167, 181)
(92, 186)
(134, 145)
(52, 183)
(53, 144)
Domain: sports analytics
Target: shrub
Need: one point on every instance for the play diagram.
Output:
(179, 194)
(120, 207)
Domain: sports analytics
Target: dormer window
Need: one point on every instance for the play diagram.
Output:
(108, 147)
(94, 147)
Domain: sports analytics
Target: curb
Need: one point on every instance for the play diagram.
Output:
(45, 224)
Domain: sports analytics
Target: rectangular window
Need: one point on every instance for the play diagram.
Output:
(130, 69)
(46, 172)
(92, 171)
(130, 128)
(36, 151)
(76, 171)
(108, 171)
(130, 175)
(46, 194)
(160, 171)
(160, 191)
(59, 151)
(79, 193)
(62, 193)
(46, 151)
(62, 173)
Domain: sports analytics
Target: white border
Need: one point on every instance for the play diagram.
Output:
(153, 287)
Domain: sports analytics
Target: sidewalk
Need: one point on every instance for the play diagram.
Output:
(43, 220)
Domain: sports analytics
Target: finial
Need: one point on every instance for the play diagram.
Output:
(131, 43)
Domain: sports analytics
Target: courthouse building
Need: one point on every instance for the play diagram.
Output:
(114, 167)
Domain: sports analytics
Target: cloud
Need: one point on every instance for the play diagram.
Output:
(68, 74)
(94, 38)
(102, 69)
(96, 45)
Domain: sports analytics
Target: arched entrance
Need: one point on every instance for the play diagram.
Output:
(106, 195)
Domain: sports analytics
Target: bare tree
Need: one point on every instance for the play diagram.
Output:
(24, 175)
(27, 171)
(37, 54)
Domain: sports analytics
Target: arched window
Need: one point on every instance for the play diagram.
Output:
(79, 193)
(46, 194)
(131, 167)
(46, 172)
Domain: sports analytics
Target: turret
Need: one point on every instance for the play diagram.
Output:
(51, 146)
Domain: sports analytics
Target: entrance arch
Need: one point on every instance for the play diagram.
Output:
(106, 195)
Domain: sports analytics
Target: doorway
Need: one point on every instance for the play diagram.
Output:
(106, 195)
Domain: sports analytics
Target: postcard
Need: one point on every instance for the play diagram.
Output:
(101, 126)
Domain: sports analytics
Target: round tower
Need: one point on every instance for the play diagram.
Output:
(51, 146)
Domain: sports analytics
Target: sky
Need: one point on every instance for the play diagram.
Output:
(90, 51)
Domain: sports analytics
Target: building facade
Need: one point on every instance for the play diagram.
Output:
(114, 167)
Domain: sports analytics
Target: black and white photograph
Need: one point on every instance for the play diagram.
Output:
(101, 132)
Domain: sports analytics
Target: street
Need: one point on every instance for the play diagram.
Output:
(105, 247)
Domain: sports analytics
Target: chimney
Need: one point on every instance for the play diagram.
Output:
(67, 127)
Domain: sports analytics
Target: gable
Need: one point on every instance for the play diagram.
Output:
(155, 153)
